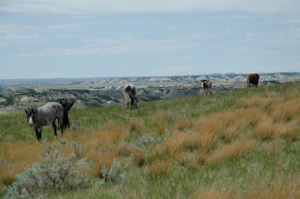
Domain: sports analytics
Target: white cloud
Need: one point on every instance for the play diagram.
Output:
(289, 36)
(227, 32)
(15, 37)
(19, 39)
(249, 37)
(124, 45)
(14, 28)
(89, 7)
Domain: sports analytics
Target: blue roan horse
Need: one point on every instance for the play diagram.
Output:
(45, 115)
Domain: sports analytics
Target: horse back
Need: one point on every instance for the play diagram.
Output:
(50, 112)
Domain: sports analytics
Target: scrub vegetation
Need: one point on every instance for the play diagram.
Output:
(238, 144)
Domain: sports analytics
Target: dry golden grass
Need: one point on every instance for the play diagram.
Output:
(200, 157)
(290, 109)
(261, 102)
(291, 131)
(175, 143)
(113, 133)
(205, 141)
(292, 95)
(18, 156)
(245, 117)
(239, 148)
(230, 133)
(136, 125)
(208, 126)
(198, 140)
(266, 129)
(101, 146)
(239, 119)
(181, 124)
(285, 111)
(160, 122)
(158, 168)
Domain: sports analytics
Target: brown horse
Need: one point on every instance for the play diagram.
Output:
(252, 79)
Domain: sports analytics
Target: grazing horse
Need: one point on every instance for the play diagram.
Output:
(206, 85)
(45, 115)
(67, 106)
(130, 94)
(252, 79)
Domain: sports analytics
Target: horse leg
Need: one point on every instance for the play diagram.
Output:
(62, 123)
(54, 128)
(65, 118)
(40, 132)
(68, 124)
(37, 133)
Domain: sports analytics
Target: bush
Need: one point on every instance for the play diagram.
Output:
(115, 174)
(54, 172)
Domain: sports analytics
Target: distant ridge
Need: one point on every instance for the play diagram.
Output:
(109, 83)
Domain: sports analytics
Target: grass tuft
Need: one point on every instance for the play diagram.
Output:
(181, 124)
(266, 129)
(159, 168)
(291, 131)
(239, 148)
(136, 125)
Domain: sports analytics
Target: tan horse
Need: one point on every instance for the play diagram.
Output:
(252, 79)
(130, 94)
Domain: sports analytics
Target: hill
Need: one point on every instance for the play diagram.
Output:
(238, 144)
(105, 92)
(224, 80)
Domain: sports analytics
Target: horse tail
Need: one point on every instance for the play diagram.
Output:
(70, 105)
(248, 81)
(65, 118)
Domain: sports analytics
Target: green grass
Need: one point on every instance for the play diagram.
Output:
(273, 160)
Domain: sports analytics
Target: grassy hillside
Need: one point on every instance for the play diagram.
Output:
(239, 144)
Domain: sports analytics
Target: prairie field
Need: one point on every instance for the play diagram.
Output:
(237, 144)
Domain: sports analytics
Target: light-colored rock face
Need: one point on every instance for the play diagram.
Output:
(27, 99)
(2, 99)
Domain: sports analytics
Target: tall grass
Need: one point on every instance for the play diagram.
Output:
(179, 148)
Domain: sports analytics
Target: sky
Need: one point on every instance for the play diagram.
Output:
(125, 38)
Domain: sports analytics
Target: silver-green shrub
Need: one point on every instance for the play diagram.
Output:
(55, 172)
(115, 174)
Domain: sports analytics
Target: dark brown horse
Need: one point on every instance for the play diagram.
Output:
(67, 106)
(252, 79)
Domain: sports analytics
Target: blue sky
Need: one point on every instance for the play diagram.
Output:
(121, 38)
